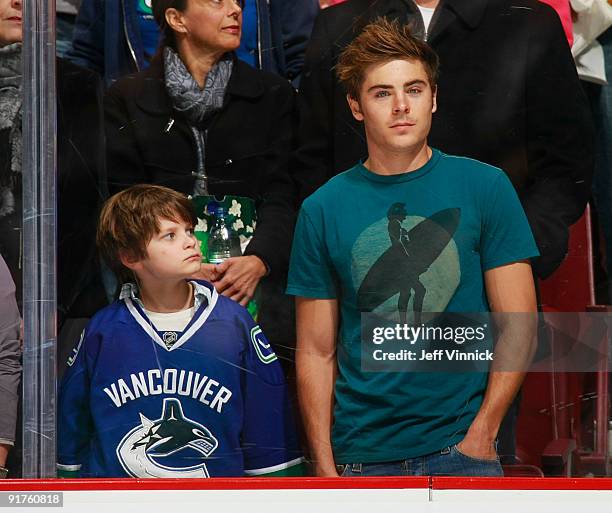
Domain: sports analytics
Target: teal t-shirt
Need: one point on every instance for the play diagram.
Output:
(428, 236)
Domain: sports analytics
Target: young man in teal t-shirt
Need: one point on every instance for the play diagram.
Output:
(408, 232)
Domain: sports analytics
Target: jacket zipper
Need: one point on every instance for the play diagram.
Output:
(127, 37)
(259, 51)
(200, 175)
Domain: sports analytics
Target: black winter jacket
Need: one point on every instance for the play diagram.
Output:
(81, 184)
(81, 189)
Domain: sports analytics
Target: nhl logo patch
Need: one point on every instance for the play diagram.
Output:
(169, 337)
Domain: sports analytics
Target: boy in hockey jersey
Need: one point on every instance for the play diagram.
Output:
(172, 379)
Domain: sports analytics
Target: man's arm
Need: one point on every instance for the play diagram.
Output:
(10, 361)
(509, 288)
(271, 241)
(317, 323)
(560, 138)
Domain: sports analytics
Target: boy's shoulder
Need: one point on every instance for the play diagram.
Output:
(223, 307)
(107, 317)
(207, 292)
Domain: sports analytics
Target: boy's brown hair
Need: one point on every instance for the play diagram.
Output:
(382, 41)
(130, 219)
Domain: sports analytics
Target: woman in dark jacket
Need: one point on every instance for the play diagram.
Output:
(80, 172)
(202, 122)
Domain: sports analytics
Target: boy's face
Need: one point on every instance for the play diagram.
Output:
(173, 253)
(395, 103)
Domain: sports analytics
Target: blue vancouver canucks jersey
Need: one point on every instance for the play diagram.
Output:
(205, 402)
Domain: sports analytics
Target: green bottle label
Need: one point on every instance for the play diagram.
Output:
(241, 216)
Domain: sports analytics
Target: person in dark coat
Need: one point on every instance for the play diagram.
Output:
(80, 176)
(222, 128)
(510, 97)
(80, 190)
(10, 364)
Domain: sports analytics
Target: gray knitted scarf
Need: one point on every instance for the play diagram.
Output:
(10, 124)
(194, 103)
(197, 105)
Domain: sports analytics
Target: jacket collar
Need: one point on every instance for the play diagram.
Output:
(470, 11)
(245, 82)
(130, 290)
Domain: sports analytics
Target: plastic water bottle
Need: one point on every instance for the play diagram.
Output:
(222, 242)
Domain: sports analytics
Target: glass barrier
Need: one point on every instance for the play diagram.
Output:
(39, 239)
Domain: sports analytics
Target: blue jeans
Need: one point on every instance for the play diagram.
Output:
(448, 462)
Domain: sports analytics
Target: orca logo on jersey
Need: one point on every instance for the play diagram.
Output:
(154, 440)
(262, 347)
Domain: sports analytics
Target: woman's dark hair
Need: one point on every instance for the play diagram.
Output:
(159, 8)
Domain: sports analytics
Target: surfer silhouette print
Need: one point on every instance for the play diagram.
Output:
(412, 252)
(396, 214)
(407, 231)
(398, 236)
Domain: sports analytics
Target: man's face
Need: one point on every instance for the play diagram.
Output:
(395, 103)
(10, 21)
(173, 253)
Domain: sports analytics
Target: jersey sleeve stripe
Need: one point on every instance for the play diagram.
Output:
(274, 468)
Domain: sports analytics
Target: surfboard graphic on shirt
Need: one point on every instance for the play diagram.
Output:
(411, 266)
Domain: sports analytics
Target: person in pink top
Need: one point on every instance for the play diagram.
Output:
(565, 14)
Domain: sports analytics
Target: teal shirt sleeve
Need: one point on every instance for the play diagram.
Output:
(311, 273)
(506, 236)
